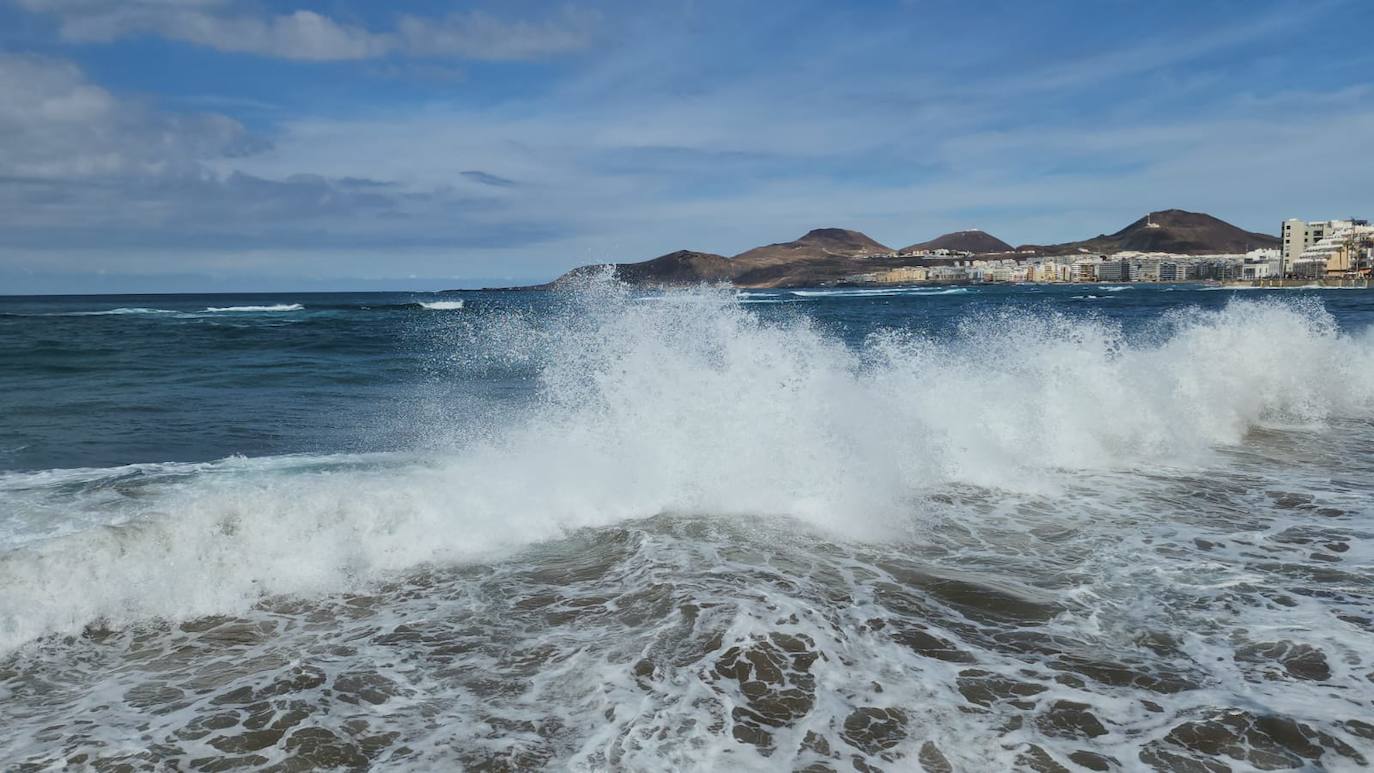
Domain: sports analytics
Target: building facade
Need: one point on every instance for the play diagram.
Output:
(1299, 236)
(1114, 271)
(1174, 271)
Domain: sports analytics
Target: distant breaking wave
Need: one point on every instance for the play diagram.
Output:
(861, 292)
(274, 307)
(115, 312)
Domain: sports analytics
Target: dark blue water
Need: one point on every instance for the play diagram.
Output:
(97, 381)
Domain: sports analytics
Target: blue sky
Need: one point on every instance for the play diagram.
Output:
(218, 144)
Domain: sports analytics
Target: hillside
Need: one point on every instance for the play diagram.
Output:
(822, 256)
(975, 241)
(683, 267)
(827, 256)
(1170, 230)
(819, 243)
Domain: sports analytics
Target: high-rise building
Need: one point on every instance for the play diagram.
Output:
(1339, 252)
(1173, 271)
(1114, 271)
(1299, 235)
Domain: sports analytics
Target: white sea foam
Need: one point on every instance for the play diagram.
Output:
(272, 308)
(762, 297)
(867, 292)
(115, 312)
(687, 407)
(442, 305)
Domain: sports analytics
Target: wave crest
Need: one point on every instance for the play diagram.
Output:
(269, 308)
(692, 407)
(114, 312)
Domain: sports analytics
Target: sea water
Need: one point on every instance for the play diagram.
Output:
(982, 528)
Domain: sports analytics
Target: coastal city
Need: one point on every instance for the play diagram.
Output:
(1168, 245)
(1335, 252)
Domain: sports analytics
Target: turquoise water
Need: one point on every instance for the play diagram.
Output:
(979, 528)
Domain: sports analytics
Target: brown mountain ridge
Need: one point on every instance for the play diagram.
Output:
(972, 240)
(826, 256)
(683, 267)
(1169, 230)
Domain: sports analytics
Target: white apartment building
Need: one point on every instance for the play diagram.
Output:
(1053, 271)
(1114, 271)
(1084, 270)
(1176, 271)
(1336, 252)
(1300, 235)
(1262, 264)
(1146, 270)
(1000, 273)
(947, 274)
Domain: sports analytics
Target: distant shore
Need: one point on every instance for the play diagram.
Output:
(1291, 284)
(1342, 282)
(1166, 245)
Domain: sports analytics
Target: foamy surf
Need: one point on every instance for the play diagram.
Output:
(873, 292)
(441, 305)
(271, 308)
(703, 407)
(721, 540)
(115, 312)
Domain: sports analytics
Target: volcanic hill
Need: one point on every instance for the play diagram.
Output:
(973, 240)
(1169, 230)
(827, 256)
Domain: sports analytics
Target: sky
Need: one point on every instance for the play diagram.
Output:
(184, 145)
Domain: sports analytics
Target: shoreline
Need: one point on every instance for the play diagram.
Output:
(1290, 284)
(1258, 284)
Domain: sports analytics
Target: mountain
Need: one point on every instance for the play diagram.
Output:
(975, 241)
(822, 256)
(1170, 230)
(683, 267)
(819, 243)
(824, 253)
(829, 256)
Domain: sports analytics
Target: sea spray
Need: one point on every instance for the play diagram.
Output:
(706, 407)
(727, 539)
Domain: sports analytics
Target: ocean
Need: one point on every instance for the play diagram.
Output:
(944, 529)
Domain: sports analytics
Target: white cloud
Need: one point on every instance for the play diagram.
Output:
(746, 163)
(308, 35)
(659, 143)
(55, 123)
(79, 167)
